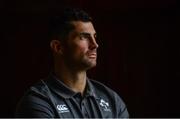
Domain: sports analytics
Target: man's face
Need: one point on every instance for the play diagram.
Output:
(80, 50)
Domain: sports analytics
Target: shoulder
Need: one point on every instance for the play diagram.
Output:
(103, 90)
(111, 97)
(35, 102)
(36, 93)
(39, 88)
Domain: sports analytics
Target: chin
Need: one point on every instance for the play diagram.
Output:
(89, 65)
(92, 65)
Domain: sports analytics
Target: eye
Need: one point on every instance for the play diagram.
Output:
(84, 36)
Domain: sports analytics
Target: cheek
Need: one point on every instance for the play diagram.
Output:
(81, 48)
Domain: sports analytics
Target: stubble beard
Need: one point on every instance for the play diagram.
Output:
(83, 63)
(89, 63)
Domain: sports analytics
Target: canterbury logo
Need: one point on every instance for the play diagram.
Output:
(62, 108)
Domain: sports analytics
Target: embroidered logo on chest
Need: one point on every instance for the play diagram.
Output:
(104, 105)
(62, 108)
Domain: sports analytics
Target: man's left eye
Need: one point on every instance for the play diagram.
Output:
(84, 37)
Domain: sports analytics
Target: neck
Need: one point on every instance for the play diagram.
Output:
(76, 80)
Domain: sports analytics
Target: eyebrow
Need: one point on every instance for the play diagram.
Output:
(87, 34)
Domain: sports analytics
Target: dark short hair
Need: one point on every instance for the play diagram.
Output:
(59, 26)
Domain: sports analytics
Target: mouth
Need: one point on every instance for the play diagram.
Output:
(92, 55)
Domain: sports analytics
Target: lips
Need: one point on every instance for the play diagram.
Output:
(92, 55)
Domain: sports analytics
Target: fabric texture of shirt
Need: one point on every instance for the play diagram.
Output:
(51, 98)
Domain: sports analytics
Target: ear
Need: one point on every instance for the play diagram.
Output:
(56, 46)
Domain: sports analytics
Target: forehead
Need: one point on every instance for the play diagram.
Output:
(80, 26)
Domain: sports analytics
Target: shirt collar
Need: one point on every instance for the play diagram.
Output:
(64, 91)
(90, 89)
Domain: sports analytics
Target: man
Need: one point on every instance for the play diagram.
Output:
(68, 92)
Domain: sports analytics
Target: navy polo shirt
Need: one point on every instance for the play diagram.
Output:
(51, 98)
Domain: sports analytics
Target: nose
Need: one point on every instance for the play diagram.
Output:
(93, 44)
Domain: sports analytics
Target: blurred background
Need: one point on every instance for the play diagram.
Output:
(138, 51)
